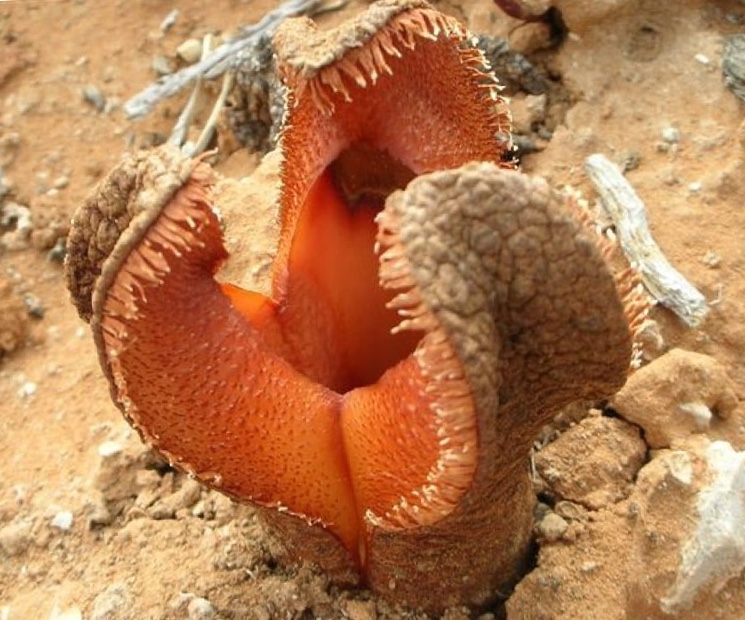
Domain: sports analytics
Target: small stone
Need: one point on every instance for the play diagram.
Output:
(27, 389)
(552, 527)
(199, 509)
(169, 21)
(593, 463)
(61, 182)
(570, 511)
(109, 448)
(62, 520)
(700, 414)
(702, 59)
(589, 567)
(17, 217)
(197, 607)
(115, 475)
(93, 95)
(185, 497)
(190, 51)
(15, 538)
(711, 259)
(34, 307)
(112, 603)
(654, 394)
(631, 161)
(671, 135)
(58, 252)
(200, 609)
(162, 65)
(695, 187)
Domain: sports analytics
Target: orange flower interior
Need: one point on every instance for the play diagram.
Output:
(320, 399)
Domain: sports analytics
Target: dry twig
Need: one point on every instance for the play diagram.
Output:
(629, 217)
(220, 60)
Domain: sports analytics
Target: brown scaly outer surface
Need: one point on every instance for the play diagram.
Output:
(122, 206)
(302, 61)
(111, 221)
(535, 317)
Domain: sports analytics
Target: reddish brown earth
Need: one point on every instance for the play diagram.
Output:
(92, 525)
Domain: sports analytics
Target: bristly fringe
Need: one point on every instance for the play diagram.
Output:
(175, 232)
(363, 66)
(636, 302)
(453, 408)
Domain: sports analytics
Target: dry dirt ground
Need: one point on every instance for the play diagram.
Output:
(94, 526)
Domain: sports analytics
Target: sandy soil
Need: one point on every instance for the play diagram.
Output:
(93, 525)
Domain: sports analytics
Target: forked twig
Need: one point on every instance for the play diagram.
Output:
(629, 217)
(209, 127)
(181, 128)
(219, 61)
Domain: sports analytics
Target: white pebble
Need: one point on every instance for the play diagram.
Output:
(169, 21)
(702, 59)
(28, 389)
(700, 413)
(109, 448)
(62, 520)
(190, 51)
(588, 567)
(711, 259)
(61, 182)
(200, 609)
(671, 135)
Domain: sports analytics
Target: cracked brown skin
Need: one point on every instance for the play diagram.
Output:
(537, 321)
(519, 312)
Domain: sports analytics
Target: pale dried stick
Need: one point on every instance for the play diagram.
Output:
(211, 124)
(629, 217)
(218, 62)
(181, 128)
